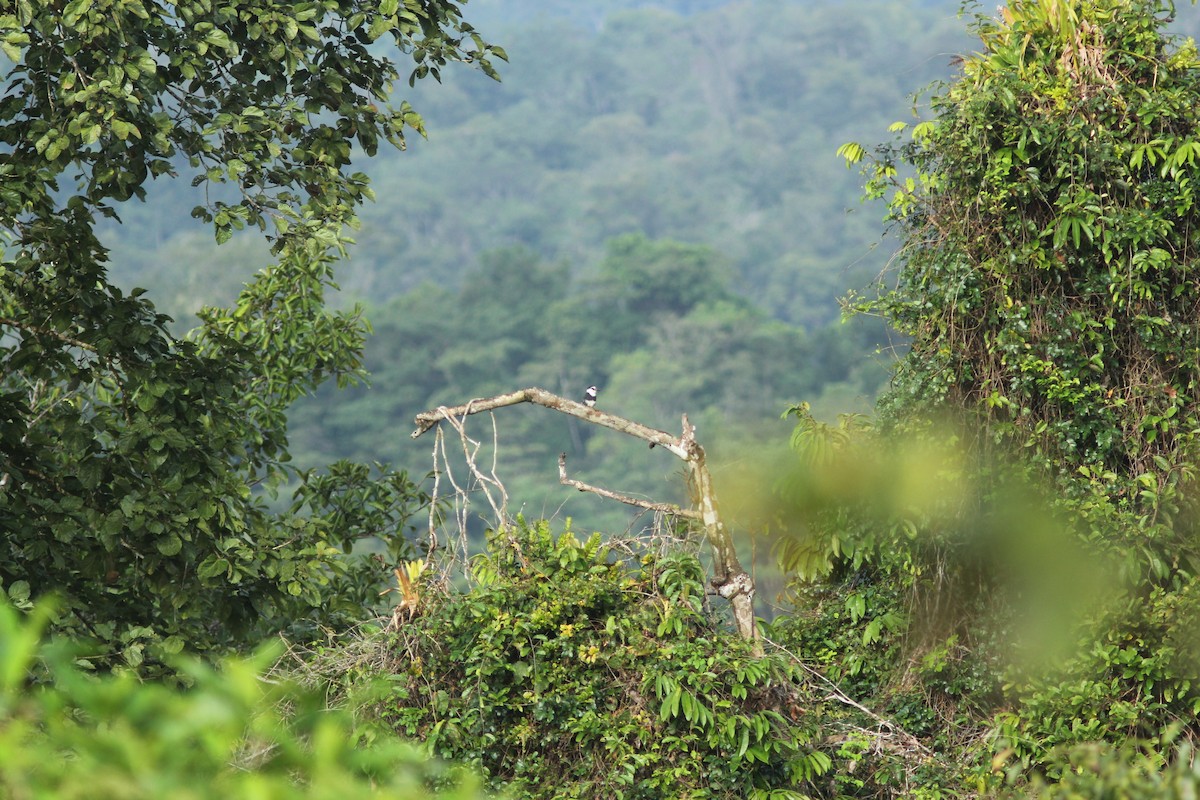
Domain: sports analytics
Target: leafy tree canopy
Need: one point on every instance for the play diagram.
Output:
(129, 459)
(1050, 267)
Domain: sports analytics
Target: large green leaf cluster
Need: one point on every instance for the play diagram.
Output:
(136, 468)
(1128, 771)
(235, 733)
(567, 673)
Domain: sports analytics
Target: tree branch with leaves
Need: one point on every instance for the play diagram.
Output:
(136, 471)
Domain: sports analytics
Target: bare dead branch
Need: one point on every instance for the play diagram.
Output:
(730, 578)
(476, 481)
(470, 449)
(665, 508)
(541, 397)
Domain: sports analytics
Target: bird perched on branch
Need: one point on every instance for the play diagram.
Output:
(589, 397)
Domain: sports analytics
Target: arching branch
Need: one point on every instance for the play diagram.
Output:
(541, 397)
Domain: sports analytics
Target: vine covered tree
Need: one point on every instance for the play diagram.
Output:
(129, 459)
(1047, 279)
(1049, 271)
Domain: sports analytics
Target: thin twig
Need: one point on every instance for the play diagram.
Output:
(470, 450)
(835, 693)
(40, 331)
(661, 508)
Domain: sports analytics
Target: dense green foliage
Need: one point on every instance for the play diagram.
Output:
(1129, 772)
(1057, 294)
(1058, 176)
(133, 464)
(233, 734)
(564, 672)
(1046, 280)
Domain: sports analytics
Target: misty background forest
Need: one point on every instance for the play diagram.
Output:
(650, 201)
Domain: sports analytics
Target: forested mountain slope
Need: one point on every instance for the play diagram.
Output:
(717, 127)
(706, 131)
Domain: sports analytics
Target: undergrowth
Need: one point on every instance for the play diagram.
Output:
(566, 672)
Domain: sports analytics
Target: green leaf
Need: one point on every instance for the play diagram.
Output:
(213, 567)
(13, 45)
(18, 592)
(856, 606)
(170, 545)
(172, 645)
(21, 641)
(74, 10)
(743, 742)
(852, 152)
(218, 38)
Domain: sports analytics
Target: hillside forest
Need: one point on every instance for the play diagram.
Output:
(555, 211)
(910, 287)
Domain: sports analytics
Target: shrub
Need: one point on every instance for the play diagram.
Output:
(233, 734)
(567, 673)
